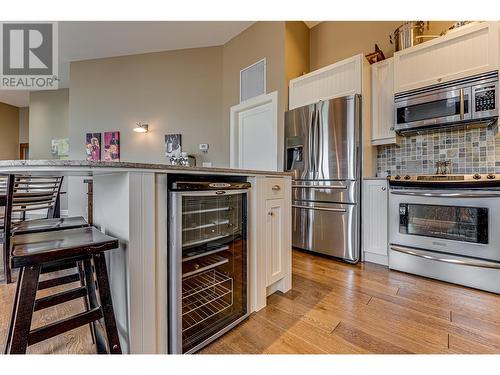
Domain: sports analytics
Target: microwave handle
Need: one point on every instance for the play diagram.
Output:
(462, 104)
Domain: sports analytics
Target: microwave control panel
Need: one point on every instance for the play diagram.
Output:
(485, 99)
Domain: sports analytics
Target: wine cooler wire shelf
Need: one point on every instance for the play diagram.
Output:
(204, 240)
(198, 283)
(208, 295)
(204, 298)
(204, 313)
(202, 264)
(207, 210)
(208, 225)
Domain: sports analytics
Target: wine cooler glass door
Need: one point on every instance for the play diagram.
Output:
(209, 253)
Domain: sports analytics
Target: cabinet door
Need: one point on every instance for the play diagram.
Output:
(374, 219)
(468, 51)
(274, 237)
(336, 80)
(383, 102)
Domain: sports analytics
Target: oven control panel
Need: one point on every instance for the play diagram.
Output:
(485, 99)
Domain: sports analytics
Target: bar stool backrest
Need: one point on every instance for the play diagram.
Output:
(27, 194)
(24, 195)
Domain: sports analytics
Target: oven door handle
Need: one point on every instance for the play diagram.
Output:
(447, 195)
(424, 254)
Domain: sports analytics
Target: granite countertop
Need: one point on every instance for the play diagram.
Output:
(55, 165)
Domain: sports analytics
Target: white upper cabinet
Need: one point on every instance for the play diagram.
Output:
(383, 102)
(336, 80)
(468, 51)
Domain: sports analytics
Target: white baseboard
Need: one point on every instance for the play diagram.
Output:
(376, 258)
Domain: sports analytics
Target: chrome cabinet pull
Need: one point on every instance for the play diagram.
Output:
(414, 252)
(320, 208)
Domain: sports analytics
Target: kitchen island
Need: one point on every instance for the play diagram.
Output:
(130, 203)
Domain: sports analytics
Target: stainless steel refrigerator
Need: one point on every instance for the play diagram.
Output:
(323, 151)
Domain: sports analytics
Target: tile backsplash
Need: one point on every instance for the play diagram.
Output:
(470, 151)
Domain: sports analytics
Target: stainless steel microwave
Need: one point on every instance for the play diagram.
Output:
(470, 101)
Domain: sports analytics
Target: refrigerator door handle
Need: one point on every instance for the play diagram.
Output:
(319, 208)
(319, 142)
(310, 140)
(320, 187)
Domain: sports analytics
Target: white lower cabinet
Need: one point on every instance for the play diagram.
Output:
(270, 238)
(274, 236)
(374, 221)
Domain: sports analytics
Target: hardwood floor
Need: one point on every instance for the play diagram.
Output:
(335, 307)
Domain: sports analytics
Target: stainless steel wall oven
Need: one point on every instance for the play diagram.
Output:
(208, 260)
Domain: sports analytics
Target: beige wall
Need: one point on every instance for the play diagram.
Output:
(175, 92)
(262, 39)
(48, 119)
(297, 49)
(24, 124)
(333, 41)
(9, 129)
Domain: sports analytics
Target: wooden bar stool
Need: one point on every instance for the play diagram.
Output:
(32, 252)
(28, 194)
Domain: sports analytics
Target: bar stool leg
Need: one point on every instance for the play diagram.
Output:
(93, 302)
(106, 303)
(86, 300)
(14, 311)
(27, 284)
(7, 272)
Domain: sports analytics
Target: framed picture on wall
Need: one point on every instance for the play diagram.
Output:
(111, 146)
(173, 145)
(93, 146)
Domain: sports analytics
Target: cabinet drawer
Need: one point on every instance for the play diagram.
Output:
(275, 188)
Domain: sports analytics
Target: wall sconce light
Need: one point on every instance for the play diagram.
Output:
(142, 127)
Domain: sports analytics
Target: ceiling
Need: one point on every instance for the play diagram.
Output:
(92, 40)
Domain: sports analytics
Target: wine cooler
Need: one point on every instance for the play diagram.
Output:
(208, 288)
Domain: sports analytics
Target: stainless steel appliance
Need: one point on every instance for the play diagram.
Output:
(322, 150)
(208, 260)
(409, 34)
(467, 102)
(446, 227)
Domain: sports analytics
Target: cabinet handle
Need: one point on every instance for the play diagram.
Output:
(462, 104)
(276, 188)
(270, 213)
(383, 188)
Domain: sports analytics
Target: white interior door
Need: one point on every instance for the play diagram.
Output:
(254, 133)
